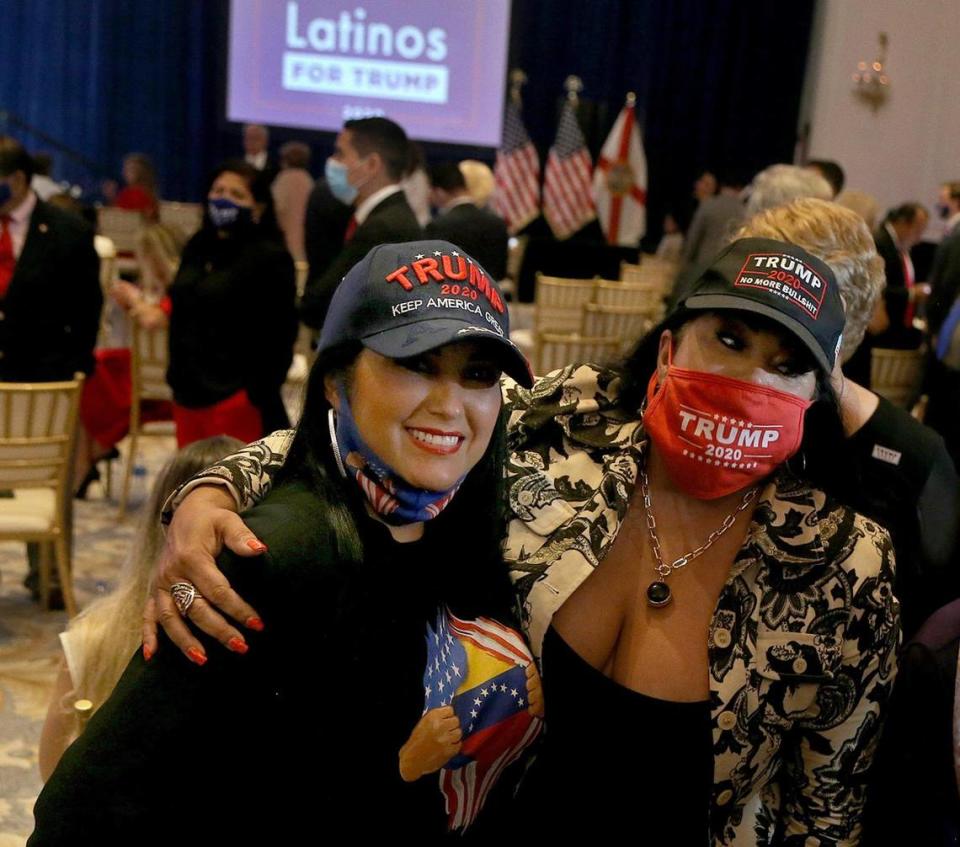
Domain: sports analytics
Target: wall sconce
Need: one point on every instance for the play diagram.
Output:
(870, 81)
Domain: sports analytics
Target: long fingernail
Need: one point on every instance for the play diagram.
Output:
(256, 546)
(197, 656)
(147, 653)
(255, 624)
(238, 645)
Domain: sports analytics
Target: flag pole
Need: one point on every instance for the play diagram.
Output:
(518, 79)
(574, 86)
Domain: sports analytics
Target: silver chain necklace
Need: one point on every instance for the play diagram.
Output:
(658, 592)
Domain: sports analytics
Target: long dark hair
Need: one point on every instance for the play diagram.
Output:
(471, 528)
(821, 460)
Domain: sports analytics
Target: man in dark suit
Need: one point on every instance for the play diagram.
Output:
(50, 296)
(945, 275)
(480, 233)
(364, 172)
(901, 230)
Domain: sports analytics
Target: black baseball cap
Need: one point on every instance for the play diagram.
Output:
(402, 300)
(780, 281)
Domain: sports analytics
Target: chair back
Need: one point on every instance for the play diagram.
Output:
(558, 303)
(625, 324)
(187, 217)
(38, 421)
(897, 375)
(651, 271)
(630, 295)
(122, 226)
(555, 350)
(149, 355)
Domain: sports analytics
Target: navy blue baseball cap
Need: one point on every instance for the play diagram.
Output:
(780, 281)
(402, 300)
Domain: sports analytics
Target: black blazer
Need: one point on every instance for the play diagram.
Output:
(944, 279)
(392, 220)
(895, 293)
(51, 312)
(479, 232)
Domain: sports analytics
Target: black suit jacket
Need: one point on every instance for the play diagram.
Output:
(944, 279)
(480, 233)
(896, 295)
(51, 312)
(391, 220)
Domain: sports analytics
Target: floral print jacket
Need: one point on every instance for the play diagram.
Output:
(803, 639)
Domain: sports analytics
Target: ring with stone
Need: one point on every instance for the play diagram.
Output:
(183, 593)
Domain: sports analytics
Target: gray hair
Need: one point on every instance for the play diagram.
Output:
(780, 184)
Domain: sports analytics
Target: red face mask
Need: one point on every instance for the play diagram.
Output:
(718, 435)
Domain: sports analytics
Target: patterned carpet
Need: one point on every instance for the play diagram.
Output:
(29, 648)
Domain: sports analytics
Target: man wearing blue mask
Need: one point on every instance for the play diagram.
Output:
(50, 296)
(363, 172)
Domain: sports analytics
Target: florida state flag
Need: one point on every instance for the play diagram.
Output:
(620, 181)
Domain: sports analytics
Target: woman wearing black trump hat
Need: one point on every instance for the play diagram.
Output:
(396, 703)
(717, 634)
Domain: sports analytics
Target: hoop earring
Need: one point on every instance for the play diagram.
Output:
(803, 464)
(332, 425)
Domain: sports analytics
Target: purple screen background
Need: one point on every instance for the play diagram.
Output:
(471, 78)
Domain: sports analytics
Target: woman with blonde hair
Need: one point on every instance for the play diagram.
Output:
(902, 475)
(99, 642)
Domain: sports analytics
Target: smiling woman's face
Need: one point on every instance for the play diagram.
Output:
(431, 417)
(730, 345)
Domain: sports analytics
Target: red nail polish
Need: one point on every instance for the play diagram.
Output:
(197, 656)
(238, 645)
(255, 624)
(147, 653)
(256, 546)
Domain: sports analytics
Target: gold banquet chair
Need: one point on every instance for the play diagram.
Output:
(38, 424)
(556, 349)
(557, 307)
(897, 375)
(651, 271)
(624, 323)
(630, 295)
(187, 217)
(122, 226)
(149, 354)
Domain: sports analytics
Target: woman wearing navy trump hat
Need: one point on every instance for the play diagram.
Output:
(397, 703)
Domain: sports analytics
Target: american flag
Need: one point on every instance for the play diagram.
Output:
(517, 174)
(567, 186)
(479, 668)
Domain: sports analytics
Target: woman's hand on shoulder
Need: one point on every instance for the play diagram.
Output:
(203, 524)
(435, 740)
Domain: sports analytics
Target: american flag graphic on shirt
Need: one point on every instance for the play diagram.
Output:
(479, 668)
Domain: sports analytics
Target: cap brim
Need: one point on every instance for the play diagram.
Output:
(742, 304)
(413, 339)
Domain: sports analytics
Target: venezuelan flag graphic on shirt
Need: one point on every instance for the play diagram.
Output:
(479, 668)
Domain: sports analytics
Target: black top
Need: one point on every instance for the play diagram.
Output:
(616, 761)
(234, 320)
(906, 482)
(299, 736)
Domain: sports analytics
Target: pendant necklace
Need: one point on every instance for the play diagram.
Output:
(658, 592)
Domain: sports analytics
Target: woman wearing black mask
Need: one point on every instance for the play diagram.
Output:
(224, 379)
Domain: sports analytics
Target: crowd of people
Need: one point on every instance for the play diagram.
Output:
(730, 560)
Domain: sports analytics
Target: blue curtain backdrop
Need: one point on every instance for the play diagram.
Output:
(718, 82)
